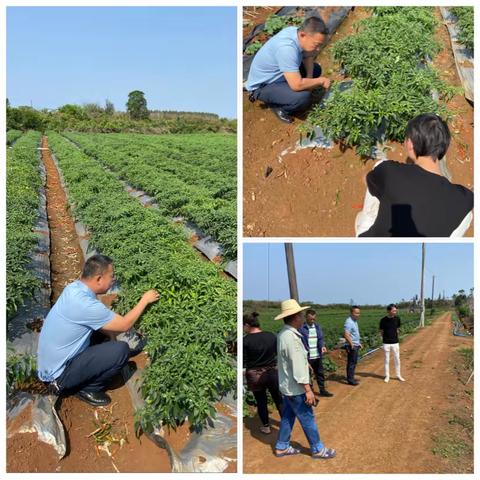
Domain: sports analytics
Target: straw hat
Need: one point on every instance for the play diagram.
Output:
(290, 307)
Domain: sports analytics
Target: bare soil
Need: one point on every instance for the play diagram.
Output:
(66, 257)
(318, 192)
(378, 427)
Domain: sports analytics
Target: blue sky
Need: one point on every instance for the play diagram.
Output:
(364, 273)
(182, 58)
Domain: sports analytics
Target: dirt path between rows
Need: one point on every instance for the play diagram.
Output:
(319, 192)
(377, 427)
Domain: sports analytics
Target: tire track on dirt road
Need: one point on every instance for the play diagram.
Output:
(375, 427)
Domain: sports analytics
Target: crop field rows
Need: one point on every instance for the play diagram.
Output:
(333, 319)
(13, 136)
(393, 81)
(192, 176)
(23, 183)
(189, 328)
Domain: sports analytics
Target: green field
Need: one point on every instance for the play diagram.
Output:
(332, 319)
(192, 176)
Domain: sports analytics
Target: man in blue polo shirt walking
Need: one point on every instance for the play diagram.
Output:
(66, 360)
(352, 336)
(283, 72)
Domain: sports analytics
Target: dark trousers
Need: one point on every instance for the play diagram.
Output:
(94, 367)
(317, 367)
(260, 381)
(279, 94)
(352, 359)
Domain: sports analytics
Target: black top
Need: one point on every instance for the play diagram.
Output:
(415, 203)
(259, 350)
(390, 328)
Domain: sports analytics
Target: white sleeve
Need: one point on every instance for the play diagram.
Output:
(463, 227)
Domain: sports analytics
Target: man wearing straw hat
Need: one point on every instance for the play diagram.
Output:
(294, 382)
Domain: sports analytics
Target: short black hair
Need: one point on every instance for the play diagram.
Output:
(313, 25)
(96, 265)
(391, 306)
(353, 307)
(430, 136)
(251, 319)
(310, 311)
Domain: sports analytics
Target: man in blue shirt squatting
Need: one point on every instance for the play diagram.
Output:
(352, 336)
(66, 360)
(283, 72)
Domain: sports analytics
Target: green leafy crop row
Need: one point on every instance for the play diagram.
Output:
(13, 135)
(276, 23)
(23, 183)
(189, 327)
(465, 22)
(171, 170)
(333, 319)
(391, 80)
(273, 25)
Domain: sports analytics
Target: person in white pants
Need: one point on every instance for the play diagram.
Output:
(389, 326)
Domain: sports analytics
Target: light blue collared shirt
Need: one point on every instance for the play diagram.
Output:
(351, 327)
(281, 54)
(67, 329)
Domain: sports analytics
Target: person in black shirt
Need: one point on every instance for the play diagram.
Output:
(415, 199)
(389, 326)
(260, 362)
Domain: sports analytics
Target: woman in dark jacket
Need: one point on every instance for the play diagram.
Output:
(260, 362)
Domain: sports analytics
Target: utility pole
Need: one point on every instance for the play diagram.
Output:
(292, 277)
(422, 298)
(433, 290)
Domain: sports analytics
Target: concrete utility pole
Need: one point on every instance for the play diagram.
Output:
(292, 277)
(422, 298)
(433, 290)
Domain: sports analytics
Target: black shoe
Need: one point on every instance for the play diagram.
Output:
(353, 382)
(282, 115)
(96, 399)
(325, 393)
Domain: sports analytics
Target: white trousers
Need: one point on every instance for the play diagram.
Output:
(395, 348)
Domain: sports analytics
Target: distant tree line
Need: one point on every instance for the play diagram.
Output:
(92, 117)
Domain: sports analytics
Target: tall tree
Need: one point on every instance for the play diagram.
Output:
(137, 105)
(109, 107)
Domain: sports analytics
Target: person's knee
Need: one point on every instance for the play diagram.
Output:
(121, 352)
(301, 101)
(317, 70)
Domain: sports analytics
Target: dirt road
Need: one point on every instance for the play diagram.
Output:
(376, 427)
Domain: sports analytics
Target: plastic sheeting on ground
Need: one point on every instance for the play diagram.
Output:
(37, 411)
(464, 59)
(205, 450)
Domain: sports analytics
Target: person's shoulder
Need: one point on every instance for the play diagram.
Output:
(465, 192)
(287, 36)
(269, 335)
(392, 165)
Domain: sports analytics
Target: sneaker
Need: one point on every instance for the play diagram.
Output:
(400, 378)
(325, 393)
(266, 429)
(353, 382)
(95, 399)
(386, 379)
